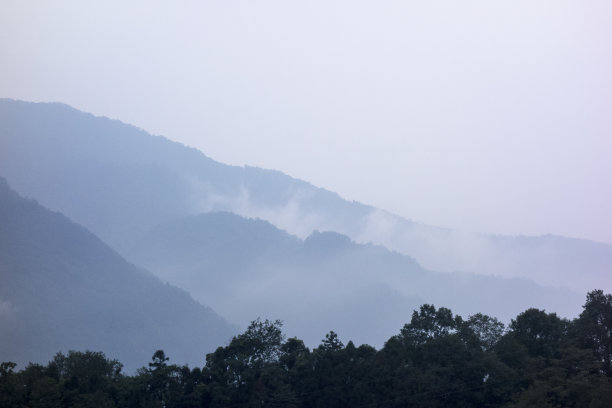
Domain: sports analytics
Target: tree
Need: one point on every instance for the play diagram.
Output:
(158, 361)
(542, 333)
(595, 327)
(429, 323)
(9, 390)
(88, 378)
(235, 372)
(488, 330)
(261, 342)
(163, 380)
(293, 351)
(331, 342)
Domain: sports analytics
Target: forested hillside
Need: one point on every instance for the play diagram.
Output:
(438, 359)
(245, 268)
(62, 288)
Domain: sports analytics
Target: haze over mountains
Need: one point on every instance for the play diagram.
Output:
(62, 288)
(120, 182)
(246, 268)
(192, 221)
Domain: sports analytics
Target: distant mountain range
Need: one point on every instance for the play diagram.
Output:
(120, 182)
(242, 240)
(61, 288)
(246, 268)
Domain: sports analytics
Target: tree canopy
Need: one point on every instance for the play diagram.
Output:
(438, 359)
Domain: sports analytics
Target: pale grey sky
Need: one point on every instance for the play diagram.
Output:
(491, 116)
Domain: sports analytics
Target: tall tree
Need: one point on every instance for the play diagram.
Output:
(595, 327)
(542, 333)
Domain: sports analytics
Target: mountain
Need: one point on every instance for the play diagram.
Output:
(62, 288)
(120, 182)
(247, 268)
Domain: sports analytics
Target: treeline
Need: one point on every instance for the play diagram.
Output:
(437, 360)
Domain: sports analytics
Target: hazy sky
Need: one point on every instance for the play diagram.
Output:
(490, 116)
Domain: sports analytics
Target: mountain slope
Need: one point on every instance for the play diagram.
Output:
(62, 288)
(246, 268)
(120, 182)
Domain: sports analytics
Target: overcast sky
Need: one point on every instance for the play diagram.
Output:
(491, 116)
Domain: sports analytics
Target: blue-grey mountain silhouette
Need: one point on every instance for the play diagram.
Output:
(120, 182)
(62, 288)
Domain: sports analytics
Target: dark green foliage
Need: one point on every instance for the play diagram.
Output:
(331, 342)
(9, 387)
(248, 367)
(542, 333)
(428, 324)
(88, 378)
(486, 330)
(595, 327)
(437, 360)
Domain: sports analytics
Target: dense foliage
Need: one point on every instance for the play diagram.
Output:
(437, 360)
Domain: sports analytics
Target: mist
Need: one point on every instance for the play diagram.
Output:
(170, 172)
(157, 203)
(479, 116)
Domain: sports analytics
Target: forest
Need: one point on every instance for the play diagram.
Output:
(438, 359)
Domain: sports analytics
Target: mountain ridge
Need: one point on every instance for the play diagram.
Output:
(62, 288)
(142, 180)
(248, 267)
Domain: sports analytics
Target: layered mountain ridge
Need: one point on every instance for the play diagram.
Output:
(247, 242)
(246, 268)
(120, 182)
